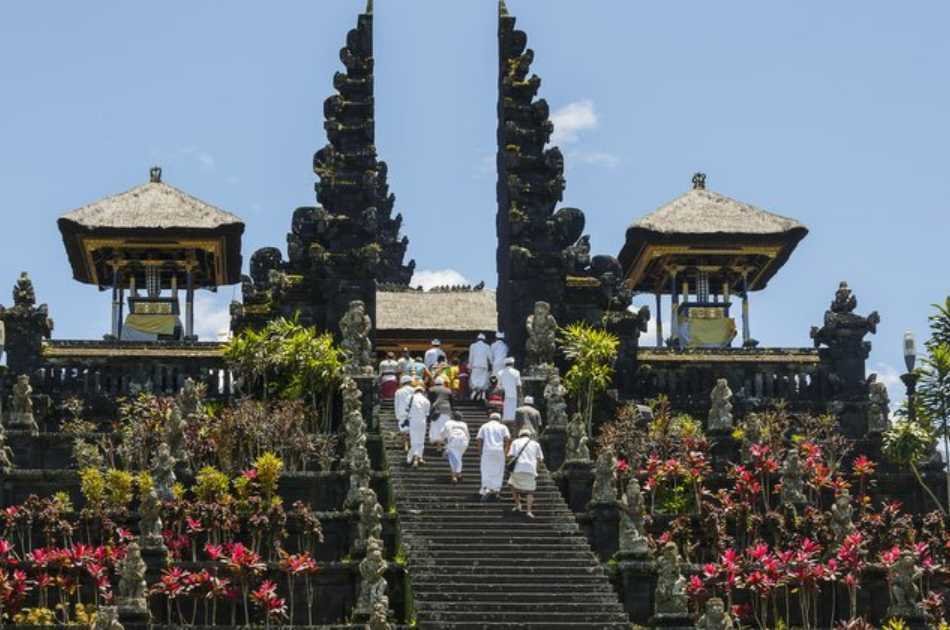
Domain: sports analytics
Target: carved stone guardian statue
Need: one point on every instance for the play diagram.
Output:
(902, 579)
(841, 514)
(715, 616)
(372, 583)
(356, 327)
(878, 408)
(576, 449)
(163, 472)
(132, 589)
(555, 405)
(670, 598)
(150, 525)
(22, 416)
(720, 411)
(793, 480)
(541, 344)
(360, 474)
(605, 490)
(633, 540)
(370, 518)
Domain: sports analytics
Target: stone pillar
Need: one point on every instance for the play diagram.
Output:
(746, 334)
(190, 305)
(576, 480)
(637, 583)
(605, 529)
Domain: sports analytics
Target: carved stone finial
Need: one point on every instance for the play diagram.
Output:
(155, 174)
(502, 9)
(23, 293)
(369, 7)
(699, 181)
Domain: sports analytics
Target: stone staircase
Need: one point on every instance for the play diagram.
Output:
(477, 565)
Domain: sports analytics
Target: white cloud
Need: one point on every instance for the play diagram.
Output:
(428, 278)
(571, 119)
(212, 316)
(205, 159)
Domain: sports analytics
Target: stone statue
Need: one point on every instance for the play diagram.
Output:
(132, 589)
(22, 417)
(371, 517)
(605, 470)
(720, 411)
(107, 618)
(175, 431)
(670, 598)
(633, 540)
(190, 398)
(793, 480)
(841, 514)
(372, 580)
(150, 525)
(360, 474)
(715, 616)
(6, 453)
(842, 333)
(163, 472)
(902, 579)
(379, 619)
(576, 449)
(878, 408)
(541, 344)
(356, 327)
(555, 404)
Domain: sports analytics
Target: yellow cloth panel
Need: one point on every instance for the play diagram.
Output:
(152, 324)
(711, 332)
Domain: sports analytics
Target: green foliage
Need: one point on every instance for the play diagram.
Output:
(268, 467)
(940, 324)
(592, 353)
(905, 444)
(288, 360)
(119, 488)
(211, 484)
(93, 486)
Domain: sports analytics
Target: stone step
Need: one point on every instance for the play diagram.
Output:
(528, 591)
(515, 603)
(564, 570)
(424, 624)
(516, 583)
(519, 617)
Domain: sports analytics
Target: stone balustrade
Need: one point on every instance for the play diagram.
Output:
(757, 376)
(109, 368)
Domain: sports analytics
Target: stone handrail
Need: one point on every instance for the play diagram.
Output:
(110, 368)
(757, 376)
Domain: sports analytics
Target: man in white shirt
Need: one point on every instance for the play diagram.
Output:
(523, 480)
(493, 438)
(401, 407)
(509, 380)
(434, 355)
(479, 364)
(499, 352)
(419, 407)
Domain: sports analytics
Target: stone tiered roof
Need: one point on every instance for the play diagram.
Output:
(459, 311)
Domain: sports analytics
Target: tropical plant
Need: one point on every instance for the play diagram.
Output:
(906, 443)
(592, 353)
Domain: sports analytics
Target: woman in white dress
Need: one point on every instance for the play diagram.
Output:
(456, 437)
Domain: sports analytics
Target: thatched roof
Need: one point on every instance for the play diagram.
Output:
(454, 311)
(701, 227)
(702, 211)
(154, 205)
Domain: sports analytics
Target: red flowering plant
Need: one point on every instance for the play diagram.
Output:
(294, 566)
(244, 565)
(265, 597)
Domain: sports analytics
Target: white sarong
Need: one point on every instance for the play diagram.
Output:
(493, 470)
(456, 442)
(511, 403)
(478, 381)
(417, 438)
(435, 429)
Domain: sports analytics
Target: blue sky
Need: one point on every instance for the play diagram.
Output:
(833, 113)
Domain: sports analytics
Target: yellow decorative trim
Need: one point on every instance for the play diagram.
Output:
(107, 352)
(739, 356)
(582, 281)
(212, 246)
(653, 252)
